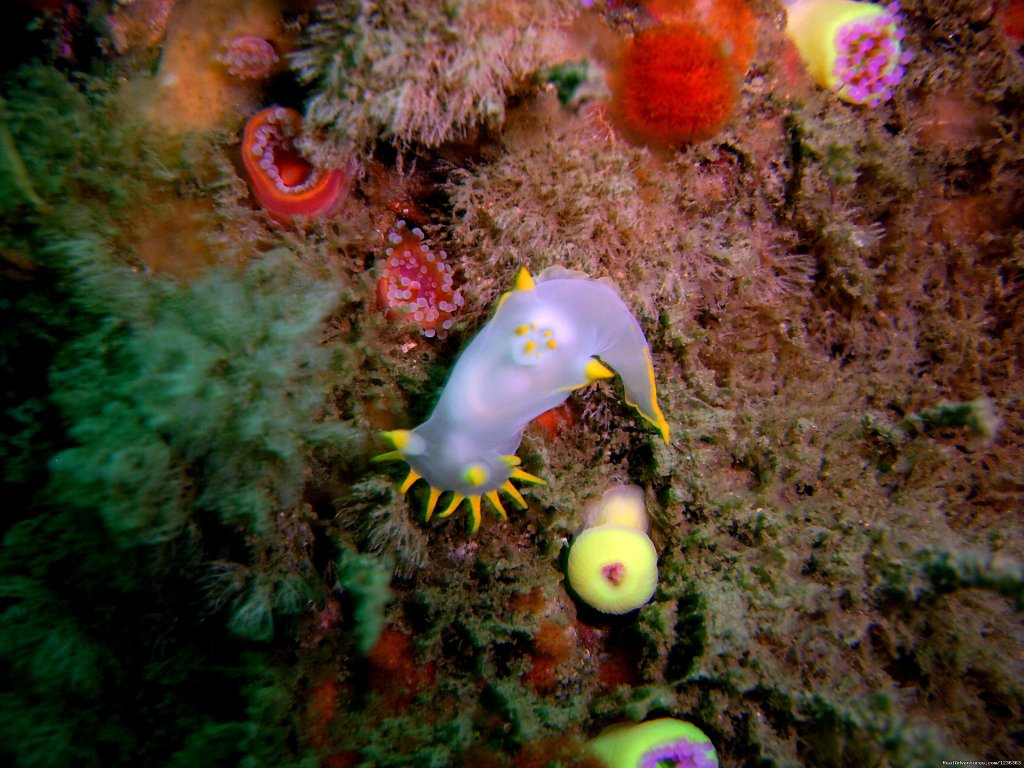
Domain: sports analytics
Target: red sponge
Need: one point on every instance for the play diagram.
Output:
(675, 84)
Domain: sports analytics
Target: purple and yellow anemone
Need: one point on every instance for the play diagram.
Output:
(853, 48)
(664, 743)
(679, 755)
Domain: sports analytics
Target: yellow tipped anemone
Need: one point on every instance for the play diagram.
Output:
(658, 742)
(613, 568)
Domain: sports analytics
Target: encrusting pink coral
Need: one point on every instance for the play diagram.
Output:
(417, 283)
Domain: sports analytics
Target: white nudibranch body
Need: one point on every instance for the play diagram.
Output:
(541, 344)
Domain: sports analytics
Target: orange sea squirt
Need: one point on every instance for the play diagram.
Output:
(1013, 20)
(674, 84)
(283, 182)
(730, 22)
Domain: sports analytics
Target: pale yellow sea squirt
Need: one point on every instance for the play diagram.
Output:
(612, 564)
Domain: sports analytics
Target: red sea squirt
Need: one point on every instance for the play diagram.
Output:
(1013, 20)
(417, 283)
(283, 182)
(674, 84)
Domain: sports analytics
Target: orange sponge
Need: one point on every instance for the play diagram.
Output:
(675, 84)
(730, 22)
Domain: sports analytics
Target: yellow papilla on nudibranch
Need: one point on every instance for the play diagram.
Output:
(612, 564)
(541, 344)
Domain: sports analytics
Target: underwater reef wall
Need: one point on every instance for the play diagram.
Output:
(420, 73)
(201, 564)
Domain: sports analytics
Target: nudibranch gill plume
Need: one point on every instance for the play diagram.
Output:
(542, 343)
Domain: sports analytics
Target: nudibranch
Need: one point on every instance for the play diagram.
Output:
(283, 182)
(851, 47)
(542, 343)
